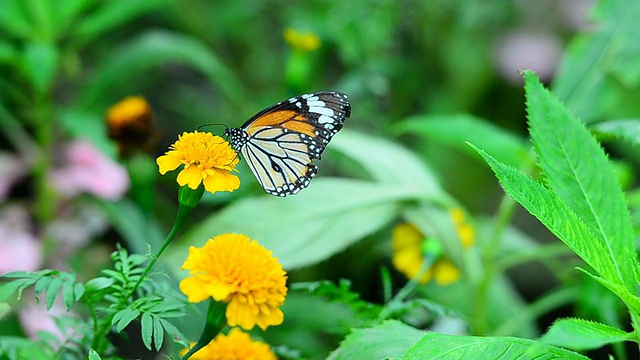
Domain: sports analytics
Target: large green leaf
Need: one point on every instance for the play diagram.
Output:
(578, 172)
(388, 340)
(579, 334)
(457, 129)
(437, 346)
(14, 20)
(555, 215)
(596, 64)
(156, 48)
(109, 15)
(388, 162)
(322, 220)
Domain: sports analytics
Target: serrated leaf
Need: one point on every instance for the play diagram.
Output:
(457, 129)
(78, 291)
(388, 340)
(631, 301)
(554, 214)
(578, 172)
(579, 334)
(146, 325)
(435, 346)
(158, 333)
(307, 234)
(123, 317)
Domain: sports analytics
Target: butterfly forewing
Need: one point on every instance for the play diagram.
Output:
(280, 142)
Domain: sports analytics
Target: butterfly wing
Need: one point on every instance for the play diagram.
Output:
(280, 142)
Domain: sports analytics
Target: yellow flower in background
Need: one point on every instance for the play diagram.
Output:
(237, 345)
(133, 109)
(233, 269)
(207, 159)
(407, 244)
(466, 233)
(301, 41)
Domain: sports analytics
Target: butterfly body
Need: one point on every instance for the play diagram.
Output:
(280, 142)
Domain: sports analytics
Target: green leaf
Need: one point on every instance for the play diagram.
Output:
(435, 346)
(554, 214)
(93, 355)
(174, 333)
(387, 162)
(579, 334)
(99, 283)
(52, 291)
(630, 300)
(315, 223)
(158, 333)
(7, 289)
(456, 129)
(13, 19)
(388, 340)
(157, 48)
(68, 294)
(111, 14)
(123, 317)
(627, 129)
(40, 65)
(589, 75)
(147, 329)
(578, 172)
(42, 284)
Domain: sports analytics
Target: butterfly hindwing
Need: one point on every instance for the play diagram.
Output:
(280, 142)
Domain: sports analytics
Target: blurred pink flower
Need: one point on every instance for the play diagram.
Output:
(35, 318)
(11, 170)
(89, 170)
(20, 250)
(527, 50)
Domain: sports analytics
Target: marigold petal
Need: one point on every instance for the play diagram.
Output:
(190, 176)
(167, 163)
(220, 180)
(192, 287)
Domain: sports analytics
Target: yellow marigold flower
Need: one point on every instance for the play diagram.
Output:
(408, 257)
(206, 158)
(129, 124)
(233, 269)
(466, 233)
(301, 41)
(236, 345)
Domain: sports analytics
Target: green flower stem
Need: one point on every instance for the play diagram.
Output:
(408, 288)
(188, 199)
(505, 213)
(216, 321)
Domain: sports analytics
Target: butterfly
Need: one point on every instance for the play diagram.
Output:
(280, 142)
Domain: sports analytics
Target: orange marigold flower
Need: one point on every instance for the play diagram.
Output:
(237, 345)
(206, 158)
(129, 124)
(233, 269)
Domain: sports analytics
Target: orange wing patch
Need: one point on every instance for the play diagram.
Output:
(287, 119)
